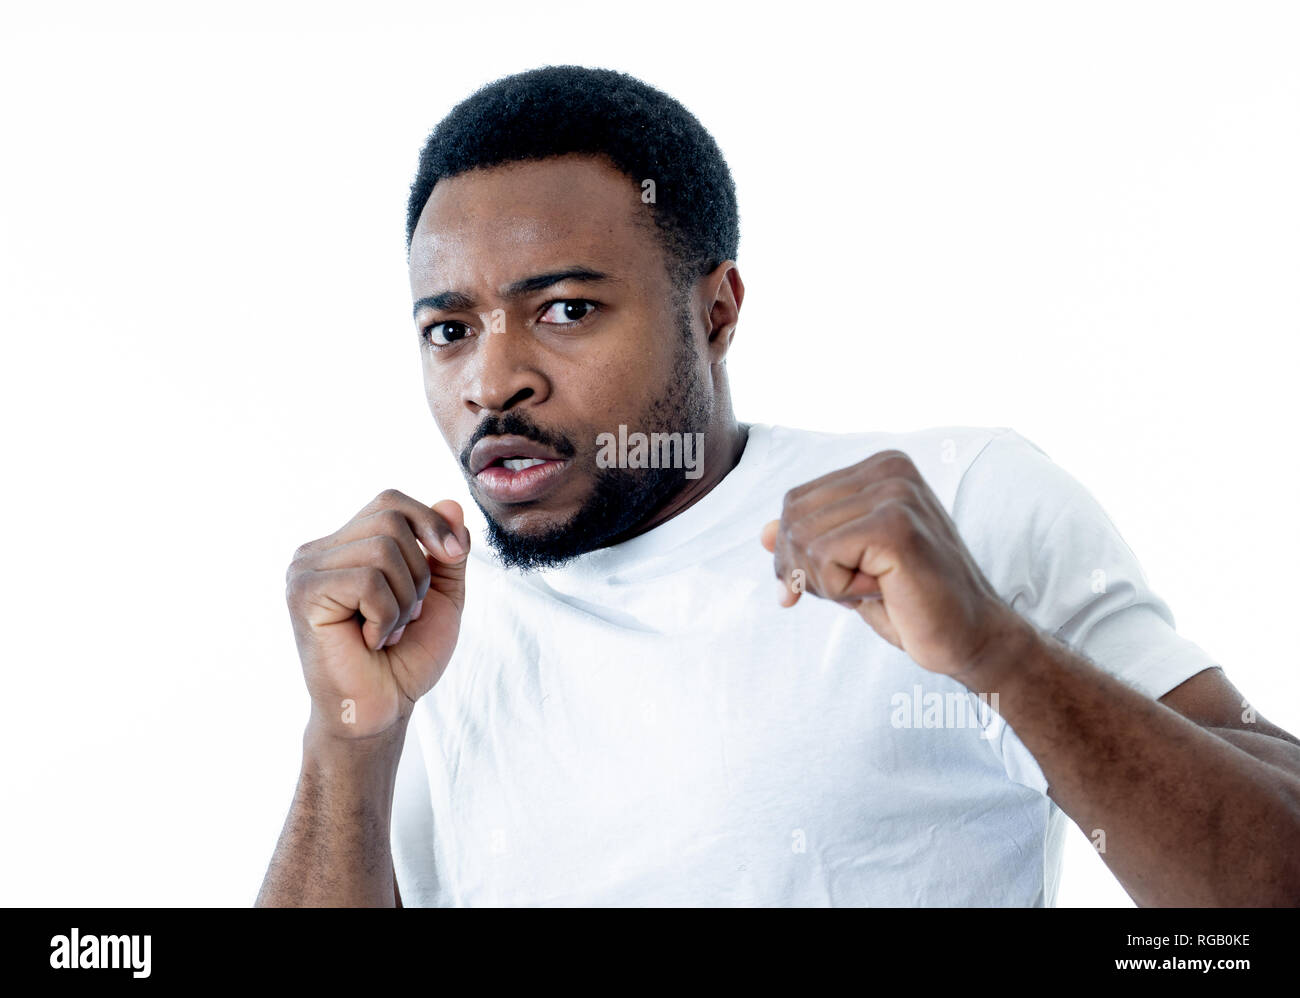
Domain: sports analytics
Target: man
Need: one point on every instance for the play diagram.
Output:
(616, 708)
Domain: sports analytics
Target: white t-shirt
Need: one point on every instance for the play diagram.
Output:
(647, 726)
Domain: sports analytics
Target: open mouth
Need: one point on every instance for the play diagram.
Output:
(514, 469)
(517, 463)
(519, 479)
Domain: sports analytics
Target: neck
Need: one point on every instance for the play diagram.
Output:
(723, 446)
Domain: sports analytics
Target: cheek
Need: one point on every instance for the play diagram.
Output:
(442, 397)
(624, 379)
(609, 396)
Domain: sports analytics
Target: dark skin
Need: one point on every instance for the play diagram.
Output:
(1199, 807)
(486, 230)
(376, 605)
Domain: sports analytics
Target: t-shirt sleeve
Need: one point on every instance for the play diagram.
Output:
(411, 830)
(1054, 555)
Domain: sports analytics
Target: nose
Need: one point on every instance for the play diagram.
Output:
(504, 374)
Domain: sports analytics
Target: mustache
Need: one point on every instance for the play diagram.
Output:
(513, 424)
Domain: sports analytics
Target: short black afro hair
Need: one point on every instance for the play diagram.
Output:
(644, 133)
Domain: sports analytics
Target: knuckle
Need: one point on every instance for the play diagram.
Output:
(389, 552)
(898, 520)
(800, 535)
(892, 458)
(903, 465)
(304, 553)
(388, 497)
(374, 584)
(391, 521)
(900, 490)
(382, 603)
(423, 578)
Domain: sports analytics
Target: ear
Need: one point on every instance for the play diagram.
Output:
(724, 292)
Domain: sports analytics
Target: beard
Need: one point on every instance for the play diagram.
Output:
(623, 498)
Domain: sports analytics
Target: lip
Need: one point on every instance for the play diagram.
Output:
(491, 449)
(506, 486)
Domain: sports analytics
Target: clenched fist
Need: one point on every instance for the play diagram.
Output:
(375, 615)
(875, 538)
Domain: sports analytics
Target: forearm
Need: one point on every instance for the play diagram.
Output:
(1189, 818)
(335, 849)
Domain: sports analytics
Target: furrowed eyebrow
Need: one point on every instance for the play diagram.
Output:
(445, 301)
(530, 284)
(459, 301)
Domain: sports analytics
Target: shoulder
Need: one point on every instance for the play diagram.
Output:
(1011, 485)
(942, 454)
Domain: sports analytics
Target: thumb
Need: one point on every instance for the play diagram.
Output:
(434, 625)
(447, 567)
(448, 578)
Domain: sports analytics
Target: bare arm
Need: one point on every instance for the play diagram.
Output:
(376, 612)
(1192, 815)
(334, 850)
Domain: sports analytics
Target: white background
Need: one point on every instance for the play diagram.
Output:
(1081, 221)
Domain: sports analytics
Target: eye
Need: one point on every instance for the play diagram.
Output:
(443, 334)
(567, 310)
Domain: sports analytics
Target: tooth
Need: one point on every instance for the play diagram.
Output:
(520, 463)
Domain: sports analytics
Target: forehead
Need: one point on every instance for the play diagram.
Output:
(499, 223)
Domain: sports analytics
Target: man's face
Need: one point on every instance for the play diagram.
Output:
(547, 318)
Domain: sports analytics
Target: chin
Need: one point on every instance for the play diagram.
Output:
(525, 526)
(537, 537)
(530, 551)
